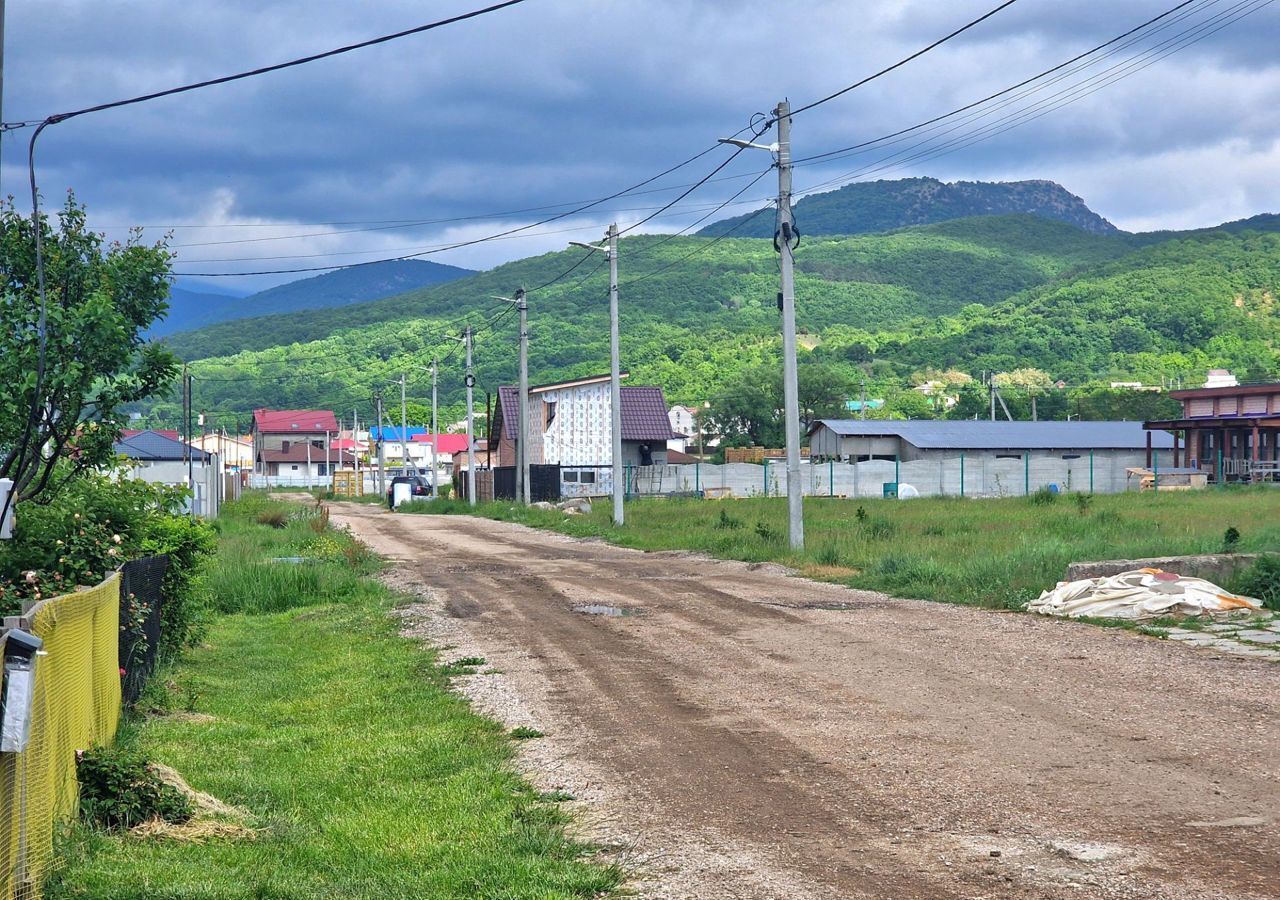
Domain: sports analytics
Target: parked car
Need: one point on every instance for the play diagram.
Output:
(418, 487)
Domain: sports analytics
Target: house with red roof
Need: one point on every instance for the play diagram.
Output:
(570, 425)
(297, 443)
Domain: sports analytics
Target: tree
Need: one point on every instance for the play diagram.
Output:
(751, 404)
(99, 302)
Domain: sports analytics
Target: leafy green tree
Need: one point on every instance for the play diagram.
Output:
(100, 301)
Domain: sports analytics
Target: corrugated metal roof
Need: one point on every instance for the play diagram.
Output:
(150, 445)
(392, 432)
(967, 434)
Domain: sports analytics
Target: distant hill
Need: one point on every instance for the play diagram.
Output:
(873, 206)
(190, 309)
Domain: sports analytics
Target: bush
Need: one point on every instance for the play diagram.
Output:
(275, 518)
(444, 490)
(93, 525)
(1261, 581)
(189, 544)
(1044, 496)
(119, 789)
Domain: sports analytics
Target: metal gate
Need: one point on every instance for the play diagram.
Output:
(544, 483)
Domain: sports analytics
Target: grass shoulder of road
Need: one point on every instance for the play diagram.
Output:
(363, 775)
(996, 553)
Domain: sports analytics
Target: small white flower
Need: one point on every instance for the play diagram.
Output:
(31, 576)
(116, 538)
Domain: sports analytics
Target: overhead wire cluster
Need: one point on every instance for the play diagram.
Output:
(960, 128)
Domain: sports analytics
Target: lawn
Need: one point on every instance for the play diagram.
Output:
(364, 776)
(997, 553)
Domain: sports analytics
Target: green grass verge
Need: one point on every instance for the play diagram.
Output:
(996, 553)
(365, 775)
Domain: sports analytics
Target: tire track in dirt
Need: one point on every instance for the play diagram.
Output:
(753, 747)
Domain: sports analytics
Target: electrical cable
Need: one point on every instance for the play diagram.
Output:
(1055, 101)
(899, 64)
(1007, 90)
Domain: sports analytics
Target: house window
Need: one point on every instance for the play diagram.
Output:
(569, 476)
(549, 407)
(1008, 456)
(587, 477)
(319, 445)
(295, 468)
(1071, 456)
(322, 469)
(284, 446)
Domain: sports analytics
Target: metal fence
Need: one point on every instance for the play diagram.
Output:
(979, 475)
(76, 706)
(141, 600)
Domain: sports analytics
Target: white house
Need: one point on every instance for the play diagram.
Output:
(684, 427)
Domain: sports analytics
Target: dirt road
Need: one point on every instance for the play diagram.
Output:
(750, 734)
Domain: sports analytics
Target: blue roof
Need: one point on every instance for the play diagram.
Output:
(392, 433)
(147, 445)
(968, 434)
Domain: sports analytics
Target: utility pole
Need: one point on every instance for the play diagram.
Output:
(404, 429)
(523, 490)
(382, 445)
(991, 386)
(1, 75)
(615, 368)
(191, 474)
(470, 380)
(862, 410)
(435, 426)
(523, 306)
(785, 241)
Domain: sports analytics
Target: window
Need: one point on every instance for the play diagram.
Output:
(1008, 456)
(322, 469)
(587, 477)
(319, 445)
(1071, 456)
(284, 446)
(569, 476)
(549, 409)
(295, 468)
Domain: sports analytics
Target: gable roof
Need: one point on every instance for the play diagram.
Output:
(290, 421)
(445, 443)
(170, 433)
(967, 434)
(644, 411)
(155, 447)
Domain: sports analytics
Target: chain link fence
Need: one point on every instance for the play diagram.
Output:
(76, 705)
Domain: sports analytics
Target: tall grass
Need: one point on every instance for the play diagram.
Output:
(364, 776)
(989, 552)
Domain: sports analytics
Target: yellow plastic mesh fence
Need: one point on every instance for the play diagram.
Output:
(76, 705)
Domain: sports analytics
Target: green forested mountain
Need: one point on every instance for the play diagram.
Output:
(1171, 309)
(992, 293)
(871, 206)
(189, 309)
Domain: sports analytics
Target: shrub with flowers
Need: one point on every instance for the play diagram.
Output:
(88, 529)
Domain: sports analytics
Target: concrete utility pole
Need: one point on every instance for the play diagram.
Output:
(404, 429)
(382, 445)
(523, 490)
(785, 241)
(435, 427)
(1, 76)
(471, 443)
(790, 381)
(523, 306)
(615, 368)
(862, 410)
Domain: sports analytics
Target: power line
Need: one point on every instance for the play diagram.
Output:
(263, 70)
(902, 62)
(1001, 93)
(1055, 101)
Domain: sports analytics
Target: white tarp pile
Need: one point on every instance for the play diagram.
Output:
(1140, 594)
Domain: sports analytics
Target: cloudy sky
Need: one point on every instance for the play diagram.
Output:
(455, 134)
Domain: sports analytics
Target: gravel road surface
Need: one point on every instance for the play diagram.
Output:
(743, 733)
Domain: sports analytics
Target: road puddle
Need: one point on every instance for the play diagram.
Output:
(599, 609)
